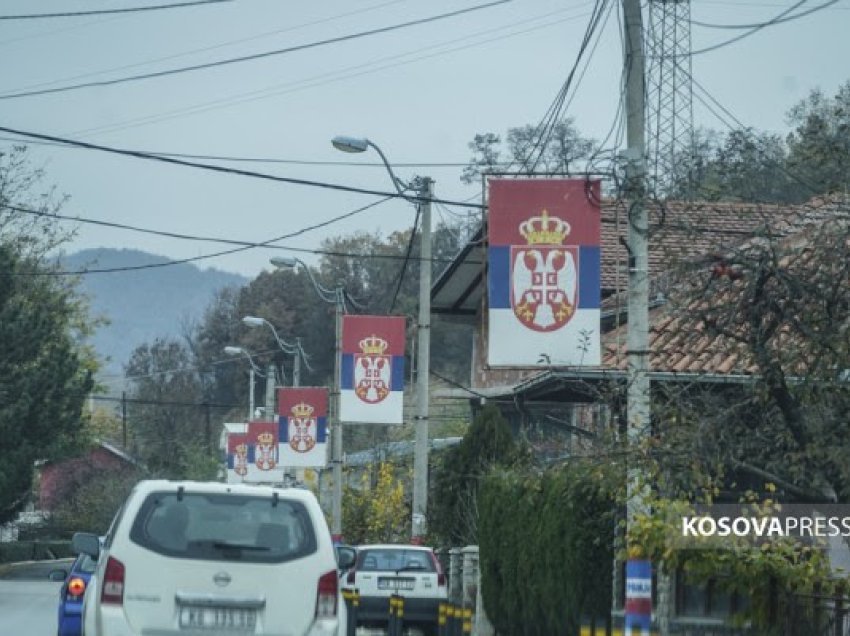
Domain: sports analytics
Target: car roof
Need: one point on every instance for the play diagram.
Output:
(395, 546)
(153, 485)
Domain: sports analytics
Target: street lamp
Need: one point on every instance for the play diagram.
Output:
(255, 370)
(424, 188)
(288, 348)
(335, 297)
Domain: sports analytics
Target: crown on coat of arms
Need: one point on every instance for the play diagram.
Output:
(265, 438)
(302, 410)
(373, 345)
(544, 230)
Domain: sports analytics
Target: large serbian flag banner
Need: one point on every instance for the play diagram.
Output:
(253, 457)
(372, 378)
(303, 423)
(543, 272)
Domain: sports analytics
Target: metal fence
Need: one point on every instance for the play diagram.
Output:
(814, 615)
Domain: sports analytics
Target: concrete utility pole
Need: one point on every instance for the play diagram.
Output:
(271, 381)
(423, 366)
(336, 422)
(638, 572)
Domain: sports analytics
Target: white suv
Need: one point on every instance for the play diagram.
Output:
(410, 571)
(211, 558)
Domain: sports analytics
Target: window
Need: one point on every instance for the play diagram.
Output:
(706, 600)
(388, 560)
(225, 527)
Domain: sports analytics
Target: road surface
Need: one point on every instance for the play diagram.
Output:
(28, 607)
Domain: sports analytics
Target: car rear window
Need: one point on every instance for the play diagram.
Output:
(388, 559)
(224, 527)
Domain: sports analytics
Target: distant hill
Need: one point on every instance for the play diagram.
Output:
(143, 304)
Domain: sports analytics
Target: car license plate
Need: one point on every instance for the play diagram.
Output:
(233, 619)
(395, 584)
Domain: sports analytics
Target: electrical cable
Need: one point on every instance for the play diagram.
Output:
(406, 260)
(345, 74)
(759, 25)
(205, 49)
(74, 14)
(741, 127)
(222, 169)
(255, 56)
(242, 248)
(737, 38)
(593, 29)
(293, 162)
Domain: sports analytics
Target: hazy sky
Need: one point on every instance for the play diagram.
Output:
(421, 93)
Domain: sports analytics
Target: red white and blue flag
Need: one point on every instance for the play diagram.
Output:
(303, 426)
(239, 455)
(253, 456)
(372, 374)
(543, 272)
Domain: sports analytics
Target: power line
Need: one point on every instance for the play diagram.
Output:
(74, 14)
(293, 162)
(223, 169)
(206, 48)
(243, 245)
(759, 25)
(255, 56)
(344, 74)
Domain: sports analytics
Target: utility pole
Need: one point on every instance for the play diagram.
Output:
(638, 571)
(271, 377)
(336, 422)
(423, 366)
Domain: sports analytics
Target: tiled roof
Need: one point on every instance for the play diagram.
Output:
(680, 341)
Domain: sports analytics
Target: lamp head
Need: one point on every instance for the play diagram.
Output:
(283, 262)
(350, 144)
(253, 321)
(233, 351)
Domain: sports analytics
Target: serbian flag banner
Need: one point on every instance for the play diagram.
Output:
(264, 463)
(239, 455)
(303, 426)
(543, 272)
(372, 382)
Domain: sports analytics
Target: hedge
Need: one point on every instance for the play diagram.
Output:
(546, 545)
(15, 551)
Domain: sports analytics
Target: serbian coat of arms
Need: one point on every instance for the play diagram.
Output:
(544, 274)
(372, 370)
(265, 452)
(303, 427)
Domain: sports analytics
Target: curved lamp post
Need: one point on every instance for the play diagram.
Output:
(254, 371)
(295, 350)
(424, 188)
(335, 297)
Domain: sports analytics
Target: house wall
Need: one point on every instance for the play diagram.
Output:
(55, 475)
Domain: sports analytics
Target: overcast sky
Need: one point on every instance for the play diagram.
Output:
(421, 93)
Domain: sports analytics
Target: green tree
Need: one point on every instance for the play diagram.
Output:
(45, 371)
(742, 165)
(819, 146)
(171, 425)
(377, 512)
(561, 149)
(454, 512)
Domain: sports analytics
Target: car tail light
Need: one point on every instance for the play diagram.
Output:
(350, 579)
(441, 577)
(76, 586)
(327, 595)
(113, 582)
